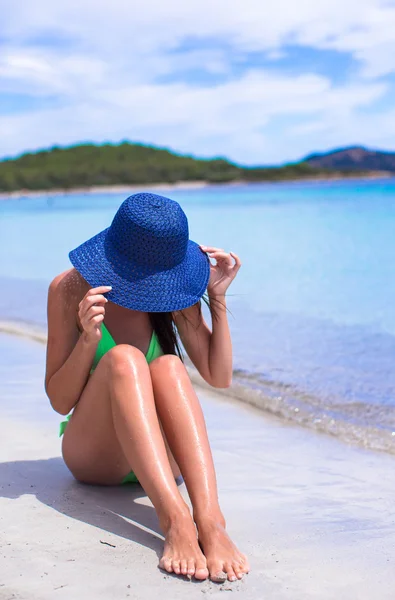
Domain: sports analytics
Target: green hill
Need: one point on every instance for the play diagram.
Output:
(88, 165)
(353, 158)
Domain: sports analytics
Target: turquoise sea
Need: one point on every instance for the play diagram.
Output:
(312, 309)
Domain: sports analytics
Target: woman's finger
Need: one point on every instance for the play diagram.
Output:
(103, 289)
(94, 299)
(211, 249)
(89, 301)
(97, 319)
(218, 253)
(91, 324)
(94, 310)
(86, 322)
(89, 319)
(236, 259)
(221, 255)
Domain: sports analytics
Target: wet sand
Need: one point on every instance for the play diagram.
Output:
(314, 515)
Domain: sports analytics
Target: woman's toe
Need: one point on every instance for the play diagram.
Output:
(201, 570)
(230, 573)
(238, 571)
(165, 564)
(217, 572)
(183, 567)
(176, 567)
(245, 565)
(191, 567)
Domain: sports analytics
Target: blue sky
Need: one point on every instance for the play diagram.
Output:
(259, 84)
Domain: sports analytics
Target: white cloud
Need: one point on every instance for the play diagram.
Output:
(122, 26)
(228, 118)
(41, 73)
(109, 69)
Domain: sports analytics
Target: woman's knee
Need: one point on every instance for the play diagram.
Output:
(124, 360)
(168, 364)
(88, 473)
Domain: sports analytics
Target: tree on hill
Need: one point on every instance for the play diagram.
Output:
(88, 165)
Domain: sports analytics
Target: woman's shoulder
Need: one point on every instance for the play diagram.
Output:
(67, 288)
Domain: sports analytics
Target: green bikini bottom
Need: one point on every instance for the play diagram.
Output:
(130, 477)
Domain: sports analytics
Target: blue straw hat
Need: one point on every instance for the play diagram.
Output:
(146, 256)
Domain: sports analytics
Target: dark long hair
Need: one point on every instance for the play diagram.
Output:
(165, 328)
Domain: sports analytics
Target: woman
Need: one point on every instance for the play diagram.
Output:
(135, 415)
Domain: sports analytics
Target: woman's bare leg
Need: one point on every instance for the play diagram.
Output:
(114, 429)
(183, 423)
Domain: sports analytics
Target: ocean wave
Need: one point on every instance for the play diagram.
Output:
(25, 330)
(355, 423)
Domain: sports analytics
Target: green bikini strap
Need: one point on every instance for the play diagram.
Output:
(154, 350)
(107, 341)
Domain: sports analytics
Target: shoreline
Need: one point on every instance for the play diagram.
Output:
(272, 400)
(188, 185)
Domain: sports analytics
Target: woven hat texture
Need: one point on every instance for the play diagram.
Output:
(146, 256)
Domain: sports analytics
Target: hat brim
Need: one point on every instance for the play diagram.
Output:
(140, 287)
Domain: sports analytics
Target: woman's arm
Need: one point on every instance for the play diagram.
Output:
(211, 351)
(69, 354)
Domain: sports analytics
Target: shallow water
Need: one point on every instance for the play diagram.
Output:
(313, 312)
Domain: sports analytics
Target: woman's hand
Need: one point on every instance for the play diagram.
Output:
(91, 312)
(223, 272)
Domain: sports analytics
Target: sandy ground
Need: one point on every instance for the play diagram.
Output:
(315, 516)
(183, 185)
(106, 189)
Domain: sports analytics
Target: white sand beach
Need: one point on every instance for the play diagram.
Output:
(315, 516)
(186, 185)
(107, 189)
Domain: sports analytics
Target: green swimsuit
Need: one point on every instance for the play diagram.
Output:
(106, 343)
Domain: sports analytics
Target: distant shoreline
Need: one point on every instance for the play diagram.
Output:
(187, 185)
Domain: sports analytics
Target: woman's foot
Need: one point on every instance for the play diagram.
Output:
(182, 554)
(224, 560)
